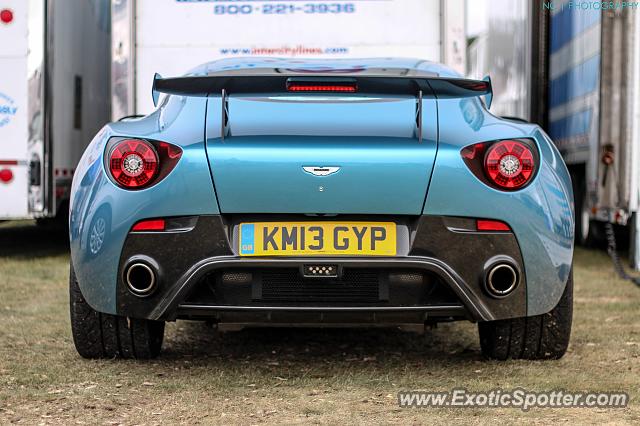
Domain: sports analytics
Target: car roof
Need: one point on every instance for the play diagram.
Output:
(357, 66)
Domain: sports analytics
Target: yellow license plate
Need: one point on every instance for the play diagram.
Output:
(317, 239)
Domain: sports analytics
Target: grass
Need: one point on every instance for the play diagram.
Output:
(292, 376)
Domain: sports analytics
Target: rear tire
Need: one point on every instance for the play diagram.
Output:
(99, 335)
(538, 337)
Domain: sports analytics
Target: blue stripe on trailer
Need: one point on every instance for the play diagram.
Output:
(568, 23)
(576, 82)
(573, 125)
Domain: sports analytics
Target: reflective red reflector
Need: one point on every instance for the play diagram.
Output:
(491, 225)
(344, 88)
(6, 175)
(6, 16)
(150, 225)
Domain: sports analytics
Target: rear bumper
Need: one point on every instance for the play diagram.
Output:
(439, 276)
(464, 304)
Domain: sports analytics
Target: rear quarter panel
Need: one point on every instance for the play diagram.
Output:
(187, 190)
(541, 214)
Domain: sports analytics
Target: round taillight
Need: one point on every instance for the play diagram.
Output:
(509, 164)
(6, 16)
(133, 163)
(6, 175)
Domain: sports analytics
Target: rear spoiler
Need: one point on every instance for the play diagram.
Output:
(437, 87)
(225, 85)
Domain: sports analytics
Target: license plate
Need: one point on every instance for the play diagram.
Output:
(317, 239)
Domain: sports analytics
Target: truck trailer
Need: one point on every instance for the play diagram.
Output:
(172, 36)
(54, 95)
(594, 114)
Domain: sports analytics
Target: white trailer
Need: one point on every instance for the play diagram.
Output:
(54, 96)
(172, 36)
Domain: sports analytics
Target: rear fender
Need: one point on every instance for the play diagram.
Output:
(541, 214)
(98, 203)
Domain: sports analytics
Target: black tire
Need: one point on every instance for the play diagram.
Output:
(538, 337)
(98, 335)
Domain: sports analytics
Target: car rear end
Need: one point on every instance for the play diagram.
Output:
(315, 199)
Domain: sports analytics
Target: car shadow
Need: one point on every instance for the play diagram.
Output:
(26, 240)
(308, 346)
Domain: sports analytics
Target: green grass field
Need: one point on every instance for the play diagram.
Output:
(292, 376)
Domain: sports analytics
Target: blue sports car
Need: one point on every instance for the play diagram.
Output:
(321, 193)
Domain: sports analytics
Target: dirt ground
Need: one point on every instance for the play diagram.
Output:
(292, 375)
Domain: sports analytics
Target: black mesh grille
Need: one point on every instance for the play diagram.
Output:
(287, 285)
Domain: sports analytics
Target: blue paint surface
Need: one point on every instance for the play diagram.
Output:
(384, 168)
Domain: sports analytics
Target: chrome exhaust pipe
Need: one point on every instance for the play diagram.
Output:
(141, 279)
(502, 279)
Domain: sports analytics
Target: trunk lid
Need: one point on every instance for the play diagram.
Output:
(317, 154)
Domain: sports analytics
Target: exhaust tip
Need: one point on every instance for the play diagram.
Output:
(140, 279)
(502, 279)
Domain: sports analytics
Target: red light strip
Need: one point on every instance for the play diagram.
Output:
(149, 225)
(8, 162)
(491, 225)
(321, 88)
